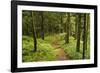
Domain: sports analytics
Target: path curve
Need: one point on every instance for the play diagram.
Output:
(60, 53)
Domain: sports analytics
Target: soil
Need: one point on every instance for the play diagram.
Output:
(60, 53)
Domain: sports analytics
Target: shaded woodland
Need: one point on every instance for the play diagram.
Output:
(51, 36)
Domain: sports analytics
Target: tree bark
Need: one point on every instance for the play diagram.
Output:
(61, 22)
(84, 37)
(87, 25)
(78, 33)
(34, 33)
(76, 27)
(67, 28)
(42, 26)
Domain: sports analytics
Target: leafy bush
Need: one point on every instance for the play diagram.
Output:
(70, 49)
(44, 52)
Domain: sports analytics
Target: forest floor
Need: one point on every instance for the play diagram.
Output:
(52, 48)
(59, 51)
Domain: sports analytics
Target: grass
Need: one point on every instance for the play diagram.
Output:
(45, 50)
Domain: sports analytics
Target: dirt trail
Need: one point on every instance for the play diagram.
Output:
(60, 53)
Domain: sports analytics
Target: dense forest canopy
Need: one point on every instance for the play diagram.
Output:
(62, 27)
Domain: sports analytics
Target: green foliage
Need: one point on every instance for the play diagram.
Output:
(45, 51)
(53, 26)
(70, 49)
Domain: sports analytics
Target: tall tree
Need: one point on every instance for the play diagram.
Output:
(42, 25)
(84, 36)
(87, 27)
(78, 33)
(76, 18)
(61, 22)
(67, 28)
(34, 32)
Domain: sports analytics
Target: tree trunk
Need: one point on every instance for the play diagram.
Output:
(42, 26)
(61, 22)
(78, 33)
(84, 37)
(67, 28)
(87, 25)
(34, 33)
(76, 27)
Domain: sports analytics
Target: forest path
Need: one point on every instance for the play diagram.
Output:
(60, 53)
